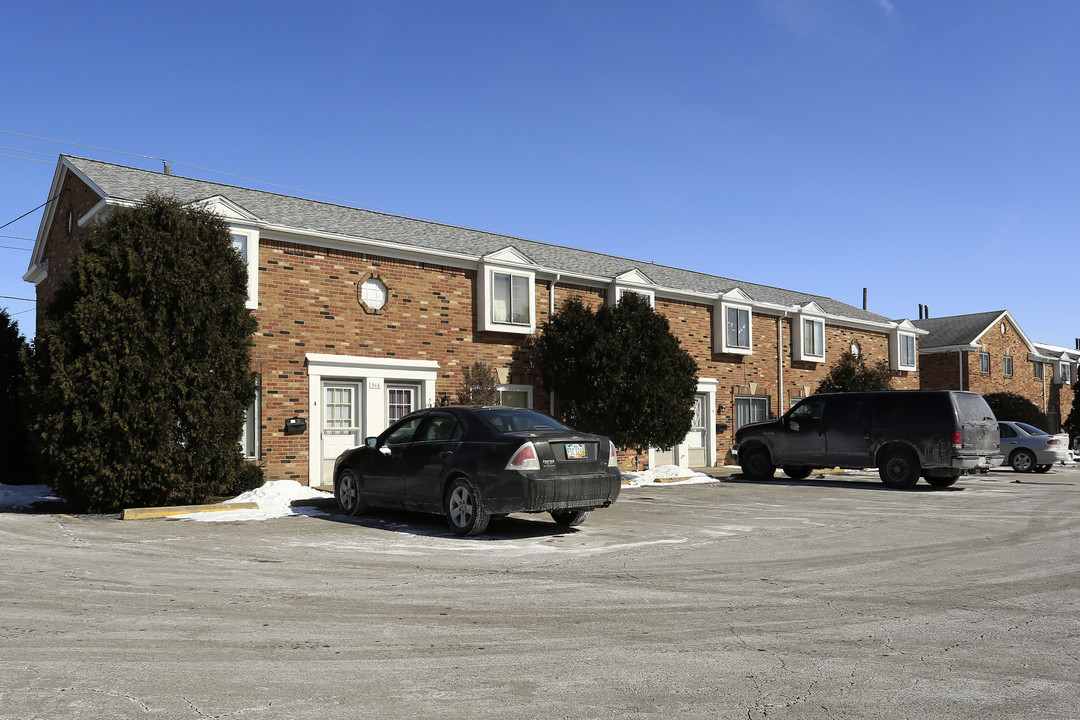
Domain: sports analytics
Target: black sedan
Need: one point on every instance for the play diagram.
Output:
(475, 463)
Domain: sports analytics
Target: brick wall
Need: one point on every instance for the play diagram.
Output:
(64, 237)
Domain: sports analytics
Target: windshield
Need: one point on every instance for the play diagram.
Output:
(514, 420)
(1031, 429)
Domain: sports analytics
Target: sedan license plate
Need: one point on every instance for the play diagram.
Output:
(576, 452)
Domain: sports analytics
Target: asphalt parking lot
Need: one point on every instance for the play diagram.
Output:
(823, 598)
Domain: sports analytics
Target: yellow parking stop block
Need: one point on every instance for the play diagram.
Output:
(160, 512)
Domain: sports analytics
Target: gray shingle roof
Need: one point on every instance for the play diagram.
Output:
(132, 185)
(955, 330)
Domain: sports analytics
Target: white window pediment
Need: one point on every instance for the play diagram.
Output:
(903, 347)
(733, 324)
(226, 209)
(506, 298)
(507, 255)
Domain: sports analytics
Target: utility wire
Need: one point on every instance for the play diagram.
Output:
(9, 297)
(34, 210)
(12, 247)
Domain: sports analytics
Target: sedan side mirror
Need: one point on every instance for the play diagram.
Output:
(370, 441)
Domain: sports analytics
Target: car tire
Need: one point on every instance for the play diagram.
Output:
(465, 510)
(1043, 468)
(349, 494)
(899, 469)
(797, 472)
(756, 464)
(942, 481)
(1022, 461)
(569, 518)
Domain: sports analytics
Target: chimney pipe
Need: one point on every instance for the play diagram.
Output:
(864, 299)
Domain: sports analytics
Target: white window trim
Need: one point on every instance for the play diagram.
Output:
(801, 338)
(720, 329)
(527, 389)
(485, 301)
(252, 236)
(1063, 373)
(896, 353)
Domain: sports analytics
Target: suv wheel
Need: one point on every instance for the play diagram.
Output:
(899, 469)
(757, 465)
(797, 472)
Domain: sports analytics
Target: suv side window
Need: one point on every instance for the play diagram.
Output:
(807, 415)
(930, 411)
(849, 411)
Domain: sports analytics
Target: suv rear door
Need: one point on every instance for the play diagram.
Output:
(978, 426)
(847, 419)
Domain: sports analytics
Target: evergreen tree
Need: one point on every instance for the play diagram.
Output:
(1017, 408)
(142, 371)
(478, 385)
(619, 372)
(14, 430)
(1072, 422)
(851, 374)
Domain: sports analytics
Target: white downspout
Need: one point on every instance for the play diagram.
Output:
(551, 312)
(780, 360)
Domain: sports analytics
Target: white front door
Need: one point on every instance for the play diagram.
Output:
(340, 423)
(698, 437)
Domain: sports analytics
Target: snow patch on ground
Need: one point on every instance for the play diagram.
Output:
(15, 497)
(665, 474)
(274, 499)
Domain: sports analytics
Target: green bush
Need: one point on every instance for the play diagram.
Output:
(1017, 408)
(142, 369)
(619, 372)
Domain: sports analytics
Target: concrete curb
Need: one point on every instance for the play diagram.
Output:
(160, 512)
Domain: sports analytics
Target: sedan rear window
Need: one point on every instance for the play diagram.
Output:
(511, 420)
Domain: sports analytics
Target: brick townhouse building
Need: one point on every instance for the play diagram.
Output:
(988, 352)
(365, 316)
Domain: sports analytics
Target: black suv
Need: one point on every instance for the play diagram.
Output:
(905, 434)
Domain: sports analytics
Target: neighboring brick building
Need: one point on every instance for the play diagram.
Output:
(988, 352)
(365, 316)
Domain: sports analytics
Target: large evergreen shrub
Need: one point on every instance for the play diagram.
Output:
(1017, 408)
(16, 466)
(619, 372)
(142, 371)
(852, 374)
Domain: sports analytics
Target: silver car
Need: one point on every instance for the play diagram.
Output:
(1027, 448)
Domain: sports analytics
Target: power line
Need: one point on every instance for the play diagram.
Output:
(16, 157)
(34, 210)
(12, 247)
(9, 297)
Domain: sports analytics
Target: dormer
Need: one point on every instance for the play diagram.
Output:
(903, 349)
(733, 323)
(244, 231)
(633, 281)
(808, 333)
(506, 297)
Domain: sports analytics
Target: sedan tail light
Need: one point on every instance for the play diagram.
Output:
(1053, 441)
(524, 459)
(612, 458)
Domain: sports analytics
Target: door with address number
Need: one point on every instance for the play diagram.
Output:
(340, 423)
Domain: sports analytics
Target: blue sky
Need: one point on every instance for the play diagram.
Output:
(927, 151)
